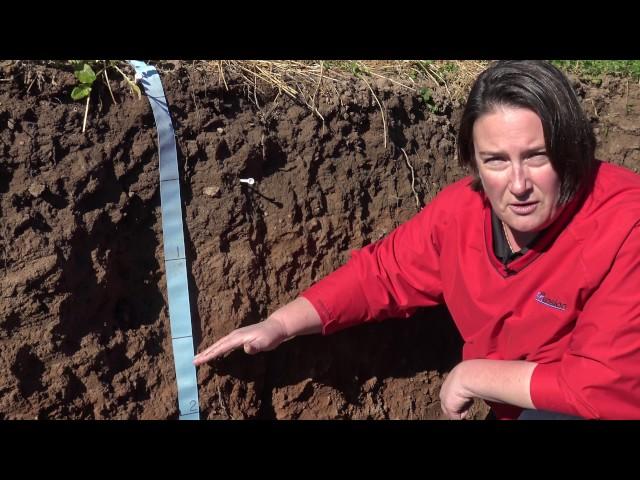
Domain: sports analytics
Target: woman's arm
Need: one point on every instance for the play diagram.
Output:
(502, 381)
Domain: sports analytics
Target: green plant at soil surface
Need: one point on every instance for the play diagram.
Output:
(594, 69)
(426, 96)
(86, 76)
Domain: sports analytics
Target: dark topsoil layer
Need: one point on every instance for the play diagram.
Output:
(84, 329)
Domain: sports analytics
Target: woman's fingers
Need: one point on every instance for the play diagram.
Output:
(256, 338)
(222, 346)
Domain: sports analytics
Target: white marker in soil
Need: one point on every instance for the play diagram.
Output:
(248, 181)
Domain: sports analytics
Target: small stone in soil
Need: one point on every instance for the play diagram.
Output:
(37, 189)
(211, 191)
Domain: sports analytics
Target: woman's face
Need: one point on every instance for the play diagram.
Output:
(514, 168)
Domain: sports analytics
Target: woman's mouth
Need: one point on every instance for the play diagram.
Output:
(524, 208)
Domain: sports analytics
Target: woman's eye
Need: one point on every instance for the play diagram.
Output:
(495, 163)
(538, 158)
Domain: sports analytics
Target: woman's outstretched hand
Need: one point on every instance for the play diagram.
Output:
(263, 336)
(298, 317)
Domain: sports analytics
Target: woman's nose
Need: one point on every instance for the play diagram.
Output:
(520, 183)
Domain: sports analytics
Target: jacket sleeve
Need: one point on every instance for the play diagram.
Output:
(389, 278)
(599, 374)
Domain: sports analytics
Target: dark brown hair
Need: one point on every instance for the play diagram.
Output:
(542, 88)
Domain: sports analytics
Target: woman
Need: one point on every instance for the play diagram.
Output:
(536, 255)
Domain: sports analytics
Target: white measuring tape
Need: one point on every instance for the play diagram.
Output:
(173, 239)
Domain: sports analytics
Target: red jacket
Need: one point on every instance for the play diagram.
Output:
(571, 304)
